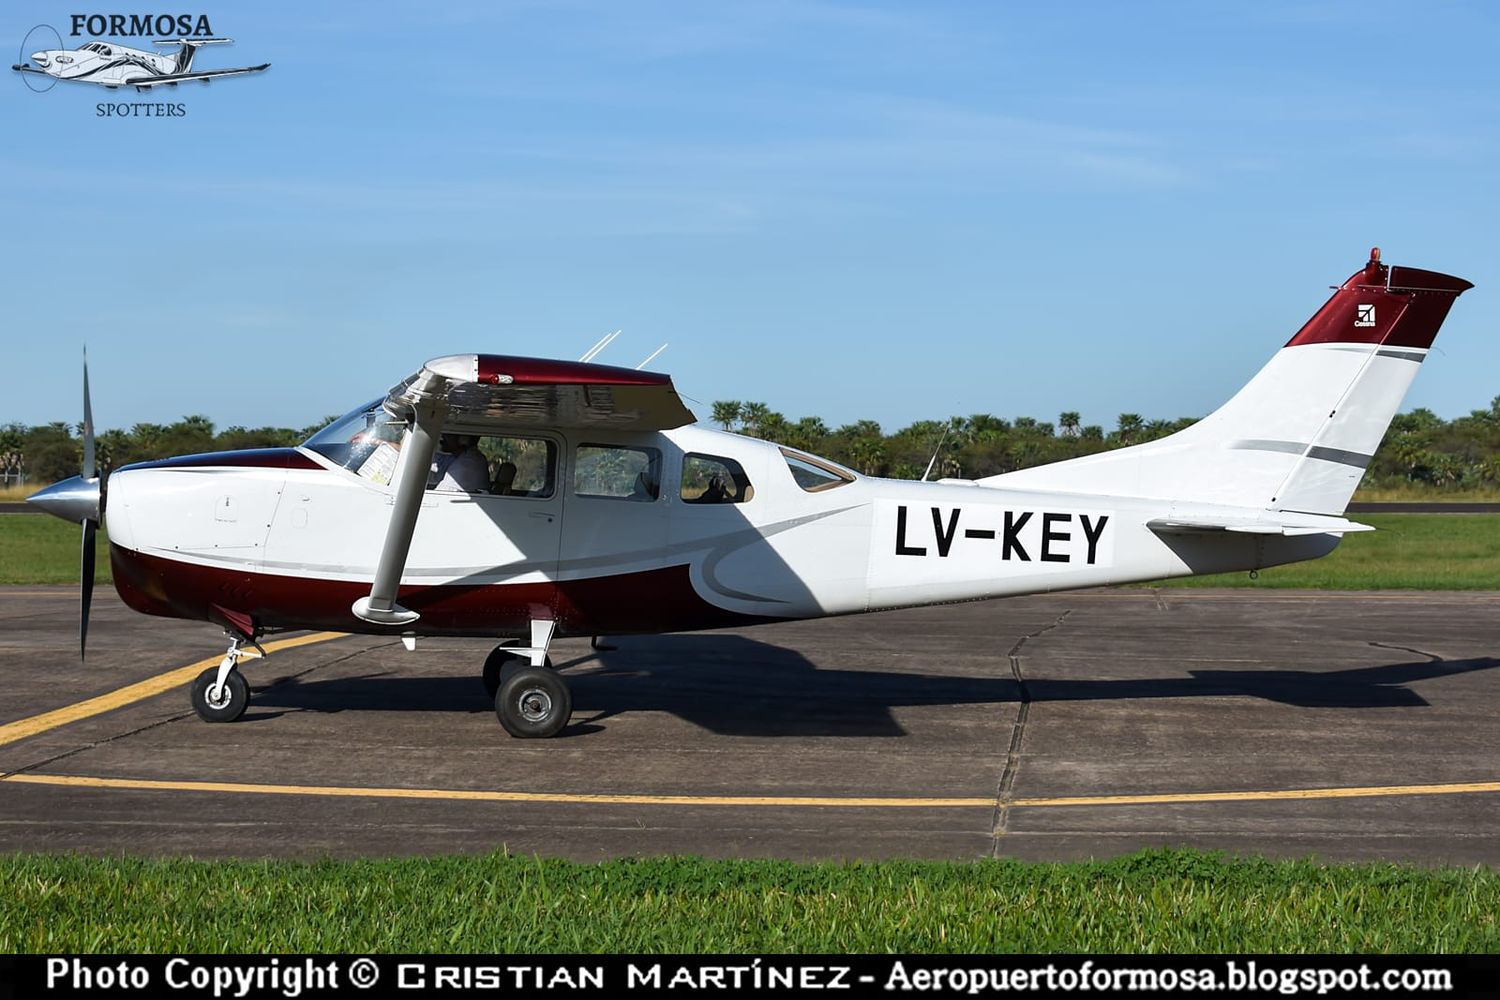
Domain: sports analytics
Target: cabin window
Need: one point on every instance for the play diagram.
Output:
(710, 479)
(520, 466)
(815, 474)
(615, 473)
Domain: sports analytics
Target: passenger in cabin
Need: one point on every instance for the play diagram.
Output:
(505, 476)
(715, 492)
(461, 466)
(647, 483)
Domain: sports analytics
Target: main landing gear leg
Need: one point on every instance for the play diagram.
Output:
(531, 700)
(221, 693)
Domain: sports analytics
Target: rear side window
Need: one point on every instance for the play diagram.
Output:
(710, 479)
(814, 474)
(615, 473)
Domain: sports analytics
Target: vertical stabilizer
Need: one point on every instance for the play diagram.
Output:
(1300, 434)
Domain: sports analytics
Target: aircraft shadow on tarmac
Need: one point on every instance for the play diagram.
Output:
(735, 686)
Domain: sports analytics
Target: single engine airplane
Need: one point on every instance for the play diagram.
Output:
(578, 499)
(114, 66)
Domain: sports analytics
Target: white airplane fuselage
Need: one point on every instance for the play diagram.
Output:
(289, 539)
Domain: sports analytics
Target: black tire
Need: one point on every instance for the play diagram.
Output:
(500, 658)
(236, 692)
(533, 702)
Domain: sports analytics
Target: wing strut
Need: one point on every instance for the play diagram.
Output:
(429, 409)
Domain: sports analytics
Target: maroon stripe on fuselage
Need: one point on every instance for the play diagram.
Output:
(545, 371)
(660, 600)
(252, 458)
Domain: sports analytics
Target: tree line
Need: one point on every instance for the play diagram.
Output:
(48, 452)
(1419, 448)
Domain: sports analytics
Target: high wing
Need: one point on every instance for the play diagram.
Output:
(477, 389)
(535, 392)
(147, 82)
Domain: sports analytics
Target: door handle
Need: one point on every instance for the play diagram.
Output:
(541, 514)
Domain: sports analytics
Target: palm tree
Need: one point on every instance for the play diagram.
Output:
(753, 415)
(726, 412)
(1130, 426)
(1069, 420)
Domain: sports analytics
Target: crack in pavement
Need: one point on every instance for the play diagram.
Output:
(1408, 649)
(1006, 792)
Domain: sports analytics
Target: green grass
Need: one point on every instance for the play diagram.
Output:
(1153, 901)
(1409, 551)
(1406, 552)
(35, 548)
(1417, 493)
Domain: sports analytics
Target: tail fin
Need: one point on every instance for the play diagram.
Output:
(1300, 434)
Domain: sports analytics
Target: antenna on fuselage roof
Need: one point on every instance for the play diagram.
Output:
(651, 357)
(593, 352)
(938, 450)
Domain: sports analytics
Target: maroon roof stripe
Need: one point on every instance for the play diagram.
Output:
(544, 371)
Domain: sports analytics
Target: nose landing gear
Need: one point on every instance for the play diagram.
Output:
(220, 694)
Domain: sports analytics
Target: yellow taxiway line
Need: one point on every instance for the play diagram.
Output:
(131, 693)
(764, 801)
(481, 795)
(1170, 798)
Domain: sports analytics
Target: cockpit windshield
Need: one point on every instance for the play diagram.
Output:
(366, 441)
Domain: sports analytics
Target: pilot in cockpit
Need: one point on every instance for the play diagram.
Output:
(460, 465)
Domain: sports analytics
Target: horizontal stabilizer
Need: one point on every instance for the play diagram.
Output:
(1283, 523)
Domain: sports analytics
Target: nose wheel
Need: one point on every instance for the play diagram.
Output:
(220, 702)
(221, 693)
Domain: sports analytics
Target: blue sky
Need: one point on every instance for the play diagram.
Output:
(892, 211)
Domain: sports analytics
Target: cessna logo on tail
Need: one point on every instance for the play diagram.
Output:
(1364, 314)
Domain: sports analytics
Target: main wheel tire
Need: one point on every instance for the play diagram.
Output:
(232, 697)
(533, 702)
(500, 657)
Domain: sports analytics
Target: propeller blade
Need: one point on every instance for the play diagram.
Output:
(88, 422)
(86, 594)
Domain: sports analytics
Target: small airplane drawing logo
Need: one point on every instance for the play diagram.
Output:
(112, 66)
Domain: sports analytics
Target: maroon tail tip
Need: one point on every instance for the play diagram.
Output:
(1387, 305)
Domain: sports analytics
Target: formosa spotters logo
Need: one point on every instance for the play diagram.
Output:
(105, 62)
